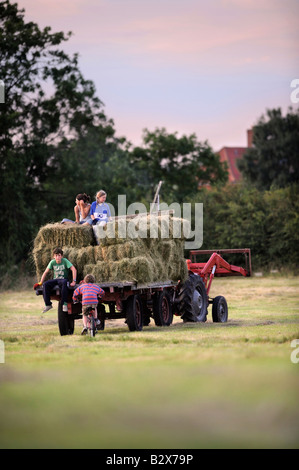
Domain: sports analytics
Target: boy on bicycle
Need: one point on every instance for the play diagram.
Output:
(88, 293)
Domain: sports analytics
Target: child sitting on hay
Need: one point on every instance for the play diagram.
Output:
(88, 293)
(60, 267)
(82, 211)
(100, 211)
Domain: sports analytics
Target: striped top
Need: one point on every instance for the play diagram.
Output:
(88, 293)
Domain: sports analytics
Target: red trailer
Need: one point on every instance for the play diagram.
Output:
(138, 303)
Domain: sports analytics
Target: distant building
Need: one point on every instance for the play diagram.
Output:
(230, 155)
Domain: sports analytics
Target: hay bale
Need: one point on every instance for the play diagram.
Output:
(111, 233)
(42, 255)
(76, 241)
(110, 253)
(150, 251)
(80, 257)
(73, 235)
(130, 249)
(98, 255)
(100, 270)
(166, 249)
(140, 268)
(178, 270)
(150, 227)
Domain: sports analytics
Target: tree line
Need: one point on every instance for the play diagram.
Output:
(267, 222)
(56, 141)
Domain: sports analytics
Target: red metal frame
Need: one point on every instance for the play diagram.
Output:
(217, 266)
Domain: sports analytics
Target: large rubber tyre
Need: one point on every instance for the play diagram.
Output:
(219, 310)
(66, 322)
(193, 300)
(101, 316)
(134, 313)
(162, 309)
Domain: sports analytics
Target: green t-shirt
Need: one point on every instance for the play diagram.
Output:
(61, 271)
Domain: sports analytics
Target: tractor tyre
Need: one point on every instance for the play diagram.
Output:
(66, 321)
(219, 310)
(193, 300)
(162, 309)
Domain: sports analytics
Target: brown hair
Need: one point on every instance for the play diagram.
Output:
(89, 278)
(83, 197)
(58, 251)
(101, 193)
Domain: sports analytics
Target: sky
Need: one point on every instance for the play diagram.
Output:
(211, 68)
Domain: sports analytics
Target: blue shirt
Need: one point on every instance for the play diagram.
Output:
(100, 211)
(89, 293)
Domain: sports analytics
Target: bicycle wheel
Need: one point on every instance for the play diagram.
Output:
(92, 328)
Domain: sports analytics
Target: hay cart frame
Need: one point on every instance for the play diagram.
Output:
(137, 303)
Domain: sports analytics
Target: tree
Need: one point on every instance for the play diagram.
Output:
(183, 163)
(267, 222)
(274, 158)
(81, 165)
(48, 106)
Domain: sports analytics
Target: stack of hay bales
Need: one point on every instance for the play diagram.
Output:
(144, 249)
(75, 240)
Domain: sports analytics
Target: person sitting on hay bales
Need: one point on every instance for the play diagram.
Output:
(100, 211)
(60, 267)
(88, 293)
(82, 211)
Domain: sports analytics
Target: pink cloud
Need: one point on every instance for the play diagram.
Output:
(199, 34)
(146, 56)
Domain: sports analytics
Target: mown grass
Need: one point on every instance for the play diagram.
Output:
(187, 386)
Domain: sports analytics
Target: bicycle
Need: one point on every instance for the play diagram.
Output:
(91, 322)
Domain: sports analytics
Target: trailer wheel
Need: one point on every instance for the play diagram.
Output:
(134, 313)
(193, 300)
(66, 322)
(162, 309)
(101, 316)
(219, 309)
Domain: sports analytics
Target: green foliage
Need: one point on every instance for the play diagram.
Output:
(49, 111)
(266, 222)
(80, 167)
(182, 163)
(56, 142)
(282, 209)
(273, 159)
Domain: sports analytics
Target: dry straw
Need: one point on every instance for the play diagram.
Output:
(145, 249)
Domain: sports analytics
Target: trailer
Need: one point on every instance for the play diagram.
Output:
(138, 303)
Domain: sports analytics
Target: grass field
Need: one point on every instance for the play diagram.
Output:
(187, 386)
